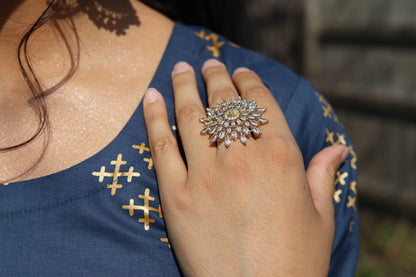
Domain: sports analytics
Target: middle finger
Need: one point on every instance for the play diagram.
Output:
(221, 87)
(218, 82)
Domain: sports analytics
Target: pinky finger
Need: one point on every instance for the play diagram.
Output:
(169, 165)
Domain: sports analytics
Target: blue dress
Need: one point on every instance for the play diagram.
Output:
(102, 217)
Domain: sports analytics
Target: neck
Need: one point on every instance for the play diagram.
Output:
(17, 16)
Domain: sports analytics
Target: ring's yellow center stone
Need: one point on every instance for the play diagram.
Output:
(232, 113)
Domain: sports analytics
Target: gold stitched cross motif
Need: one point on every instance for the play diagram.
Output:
(341, 140)
(352, 202)
(116, 174)
(166, 240)
(142, 148)
(145, 208)
(215, 48)
(335, 138)
(340, 179)
(328, 111)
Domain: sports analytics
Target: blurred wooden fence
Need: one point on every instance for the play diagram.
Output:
(362, 56)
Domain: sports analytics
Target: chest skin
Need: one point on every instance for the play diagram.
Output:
(90, 109)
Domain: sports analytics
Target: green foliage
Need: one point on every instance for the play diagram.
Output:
(388, 245)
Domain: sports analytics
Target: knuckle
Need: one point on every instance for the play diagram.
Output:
(189, 112)
(245, 75)
(182, 80)
(223, 93)
(284, 152)
(163, 144)
(329, 172)
(214, 72)
(182, 203)
(237, 164)
(256, 91)
(156, 116)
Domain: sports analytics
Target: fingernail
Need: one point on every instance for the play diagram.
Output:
(211, 63)
(181, 67)
(345, 154)
(151, 95)
(241, 69)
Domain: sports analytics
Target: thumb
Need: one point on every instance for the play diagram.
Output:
(321, 174)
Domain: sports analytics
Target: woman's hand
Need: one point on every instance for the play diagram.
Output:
(245, 210)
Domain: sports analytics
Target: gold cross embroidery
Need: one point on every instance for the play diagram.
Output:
(142, 148)
(353, 162)
(165, 240)
(353, 187)
(150, 162)
(351, 202)
(146, 208)
(330, 138)
(328, 111)
(215, 48)
(341, 178)
(352, 225)
(116, 174)
(337, 196)
(216, 45)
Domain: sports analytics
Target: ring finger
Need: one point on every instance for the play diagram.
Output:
(220, 87)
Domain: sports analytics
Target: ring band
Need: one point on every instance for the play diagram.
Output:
(232, 120)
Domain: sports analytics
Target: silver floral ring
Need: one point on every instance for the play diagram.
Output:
(232, 120)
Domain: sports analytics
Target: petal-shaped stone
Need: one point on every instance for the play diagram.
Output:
(243, 139)
(213, 138)
(263, 120)
(246, 130)
(221, 135)
(227, 141)
(205, 130)
(256, 131)
(229, 131)
(212, 130)
(254, 123)
(234, 135)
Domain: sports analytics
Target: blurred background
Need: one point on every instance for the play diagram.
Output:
(361, 54)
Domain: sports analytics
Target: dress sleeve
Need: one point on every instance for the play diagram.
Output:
(315, 125)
